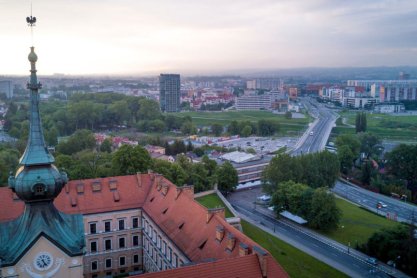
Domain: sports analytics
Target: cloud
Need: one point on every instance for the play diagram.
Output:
(129, 36)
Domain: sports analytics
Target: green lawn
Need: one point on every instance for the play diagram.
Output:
(401, 128)
(295, 262)
(357, 224)
(287, 126)
(213, 201)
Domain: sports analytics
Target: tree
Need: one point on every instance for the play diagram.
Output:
(288, 197)
(360, 122)
(402, 164)
(217, 129)
(288, 115)
(188, 128)
(324, 214)
(81, 140)
(351, 141)
(282, 168)
(149, 110)
(246, 131)
(267, 127)
(251, 150)
(367, 173)
(106, 146)
(130, 160)
(233, 128)
(370, 144)
(397, 244)
(346, 158)
(227, 177)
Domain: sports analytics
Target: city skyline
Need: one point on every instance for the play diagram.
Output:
(207, 37)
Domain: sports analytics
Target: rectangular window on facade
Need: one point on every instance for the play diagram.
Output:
(94, 265)
(107, 244)
(93, 228)
(136, 259)
(164, 247)
(93, 246)
(175, 260)
(122, 261)
(158, 242)
(135, 241)
(170, 254)
(146, 227)
(122, 242)
(107, 226)
(135, 222)
(108, 263)
(154, 236)
(121, 224)
(150, 232)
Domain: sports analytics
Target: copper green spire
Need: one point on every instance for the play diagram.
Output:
(36, 152)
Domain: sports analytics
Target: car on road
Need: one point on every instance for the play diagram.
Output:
(311, 133)
(264, 198)
(382, 205)
(372, 261)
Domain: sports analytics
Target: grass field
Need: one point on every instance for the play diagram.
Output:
(295, 262)
(358, 224)
(213, 201)
(398, 128)
(287, 126)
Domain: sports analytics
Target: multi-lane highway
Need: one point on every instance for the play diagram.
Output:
(350, 262)
(395, 209)
(316, 136)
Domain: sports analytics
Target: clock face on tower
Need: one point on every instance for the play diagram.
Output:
(43, 261)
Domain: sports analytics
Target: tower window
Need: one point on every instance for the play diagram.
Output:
(39, 189)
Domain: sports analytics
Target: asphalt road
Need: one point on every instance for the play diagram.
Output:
(395, 208)
(339, 258)
(318, 135)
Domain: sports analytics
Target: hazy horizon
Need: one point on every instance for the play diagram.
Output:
(206, 37)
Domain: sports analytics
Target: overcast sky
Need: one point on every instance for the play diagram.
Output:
(206, 36)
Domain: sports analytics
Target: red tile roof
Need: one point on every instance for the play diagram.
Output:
(242, 267)
(155, 194)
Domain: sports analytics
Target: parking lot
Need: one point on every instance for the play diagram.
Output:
(261, 145)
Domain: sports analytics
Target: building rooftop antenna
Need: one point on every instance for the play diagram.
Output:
(31, 21)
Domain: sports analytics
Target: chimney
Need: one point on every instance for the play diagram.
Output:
(139, 179)
(189, 190)
(179, 191)
(243, 249)
(219, 233)
(262, 258)
(165, 188)
(231, 241)
(80, 188)
(211, 212)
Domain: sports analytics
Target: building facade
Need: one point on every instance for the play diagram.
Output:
(6, 87)
(170, 92)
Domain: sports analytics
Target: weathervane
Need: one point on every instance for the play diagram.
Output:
(31, 21)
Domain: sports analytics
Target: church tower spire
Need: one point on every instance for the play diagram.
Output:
(37, 179)
(38, 182)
